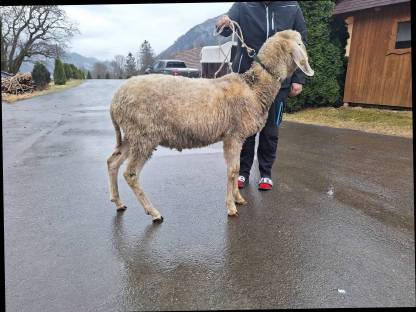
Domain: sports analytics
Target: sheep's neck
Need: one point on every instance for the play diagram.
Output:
(263, 85)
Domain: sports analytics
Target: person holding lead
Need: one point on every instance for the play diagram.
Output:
(259, 21)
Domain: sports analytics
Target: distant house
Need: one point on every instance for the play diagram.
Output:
(207, 59)
(191, 57)
(379, 52)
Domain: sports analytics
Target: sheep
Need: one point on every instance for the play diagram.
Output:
(180, 112)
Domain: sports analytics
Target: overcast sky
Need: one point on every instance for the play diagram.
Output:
(107, 30)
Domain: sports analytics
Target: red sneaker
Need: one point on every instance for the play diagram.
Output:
(265, 184)
(241, 181)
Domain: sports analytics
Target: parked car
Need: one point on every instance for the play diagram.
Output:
(173, 67)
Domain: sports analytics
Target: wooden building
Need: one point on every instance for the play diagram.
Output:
(379, 52)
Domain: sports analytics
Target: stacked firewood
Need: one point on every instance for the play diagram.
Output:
(18, 84)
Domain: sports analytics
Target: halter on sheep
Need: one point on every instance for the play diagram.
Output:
(179, 112)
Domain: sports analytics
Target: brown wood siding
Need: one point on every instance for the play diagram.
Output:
(374, 75)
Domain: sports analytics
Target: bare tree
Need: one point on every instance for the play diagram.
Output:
(99, 70)
(117, 66)
(33, 30)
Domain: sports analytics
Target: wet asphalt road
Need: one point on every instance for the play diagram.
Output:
(298, 246)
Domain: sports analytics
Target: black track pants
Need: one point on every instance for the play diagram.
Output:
(268, 139)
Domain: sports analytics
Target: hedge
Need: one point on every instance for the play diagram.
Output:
(327, 37)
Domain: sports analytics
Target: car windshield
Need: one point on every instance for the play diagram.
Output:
(176, 64)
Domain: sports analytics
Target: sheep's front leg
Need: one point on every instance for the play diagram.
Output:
(232, 148)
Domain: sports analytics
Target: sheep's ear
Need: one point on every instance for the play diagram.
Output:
(300, 58)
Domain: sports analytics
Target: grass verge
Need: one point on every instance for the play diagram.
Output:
(381, 121)
(10, 98)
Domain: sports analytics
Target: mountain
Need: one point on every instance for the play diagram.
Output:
(198, 36)
(77, 59)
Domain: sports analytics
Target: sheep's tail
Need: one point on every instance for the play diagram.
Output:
(117, 129)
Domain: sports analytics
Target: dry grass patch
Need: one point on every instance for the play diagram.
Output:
(372, 120)
(10, 98)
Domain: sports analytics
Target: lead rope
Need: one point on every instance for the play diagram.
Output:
(251, 52)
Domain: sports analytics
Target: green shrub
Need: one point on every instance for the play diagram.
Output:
(68, 71)
(74, 71)
(89, 75)
(326, 49)
(41, 76)
(79, 74)
(59, 76)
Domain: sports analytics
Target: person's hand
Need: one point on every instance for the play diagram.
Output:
(295, 89)
(223, 21)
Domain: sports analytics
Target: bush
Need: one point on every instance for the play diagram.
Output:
(107, 75)
(41, 76)
(326, 49)
(59, 76)
(89, 75)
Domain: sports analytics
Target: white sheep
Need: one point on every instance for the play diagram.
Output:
(179, 112)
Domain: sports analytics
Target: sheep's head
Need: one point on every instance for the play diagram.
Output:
(284, 52)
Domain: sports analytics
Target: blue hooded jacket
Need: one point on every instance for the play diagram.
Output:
(258, 22)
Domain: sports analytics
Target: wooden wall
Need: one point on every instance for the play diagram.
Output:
(376, 73)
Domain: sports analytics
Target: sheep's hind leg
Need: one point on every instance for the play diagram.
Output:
(239, 200)
(134, 166)
(232, 150)
(113, 163)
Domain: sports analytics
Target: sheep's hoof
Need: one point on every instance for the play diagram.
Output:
(233, 213)
(158, 220)
(241, 202)
(121, 208)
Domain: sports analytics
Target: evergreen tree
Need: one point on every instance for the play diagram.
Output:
(74, 70)
(326, 50)
(41, 76)
(340, 35)
(98, 76)
(107, 75)
(68, 71)
(89, 75)
(59, 73)
(130, 65)
(78, 74)
(146, 56)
